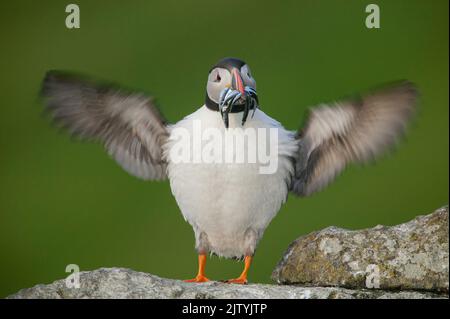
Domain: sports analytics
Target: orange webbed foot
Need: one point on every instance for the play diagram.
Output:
(201, 270)
(239, 281)
(197, 279)
(242, 279)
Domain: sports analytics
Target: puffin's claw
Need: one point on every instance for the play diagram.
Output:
(239, 281)
(197, 279)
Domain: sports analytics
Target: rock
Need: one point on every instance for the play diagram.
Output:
(126, 283)
(408, 261)
(413, 255)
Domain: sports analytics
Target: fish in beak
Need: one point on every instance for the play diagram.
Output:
(232, 96)
(237, 97)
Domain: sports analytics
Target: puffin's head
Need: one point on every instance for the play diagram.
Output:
(226, 76)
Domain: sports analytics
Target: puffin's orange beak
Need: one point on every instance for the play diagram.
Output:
(236, 81)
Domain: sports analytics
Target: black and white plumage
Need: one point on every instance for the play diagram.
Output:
(350, 132)
(128, 124)
(230, 205)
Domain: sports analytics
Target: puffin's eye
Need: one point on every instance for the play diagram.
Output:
(218, 78)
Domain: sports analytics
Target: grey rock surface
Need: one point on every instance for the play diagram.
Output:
(408, 261)
(125, 283)
(413, 255)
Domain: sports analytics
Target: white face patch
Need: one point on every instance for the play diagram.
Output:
(218, 79)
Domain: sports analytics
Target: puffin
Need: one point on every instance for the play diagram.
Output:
(229, 203)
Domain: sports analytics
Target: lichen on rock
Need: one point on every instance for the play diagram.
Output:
(408, 261)
(413, 255)
(121, 283)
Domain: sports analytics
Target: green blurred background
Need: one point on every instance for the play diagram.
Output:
(65, 202)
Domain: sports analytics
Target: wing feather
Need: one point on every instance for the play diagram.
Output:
(350, 132)
(128, 124)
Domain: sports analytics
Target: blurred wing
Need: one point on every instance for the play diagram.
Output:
(128, 124)
(346, 132)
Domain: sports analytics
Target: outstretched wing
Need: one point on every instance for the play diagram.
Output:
(128, 124)
(352, 131)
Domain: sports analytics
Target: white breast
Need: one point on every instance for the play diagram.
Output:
(223, 200)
